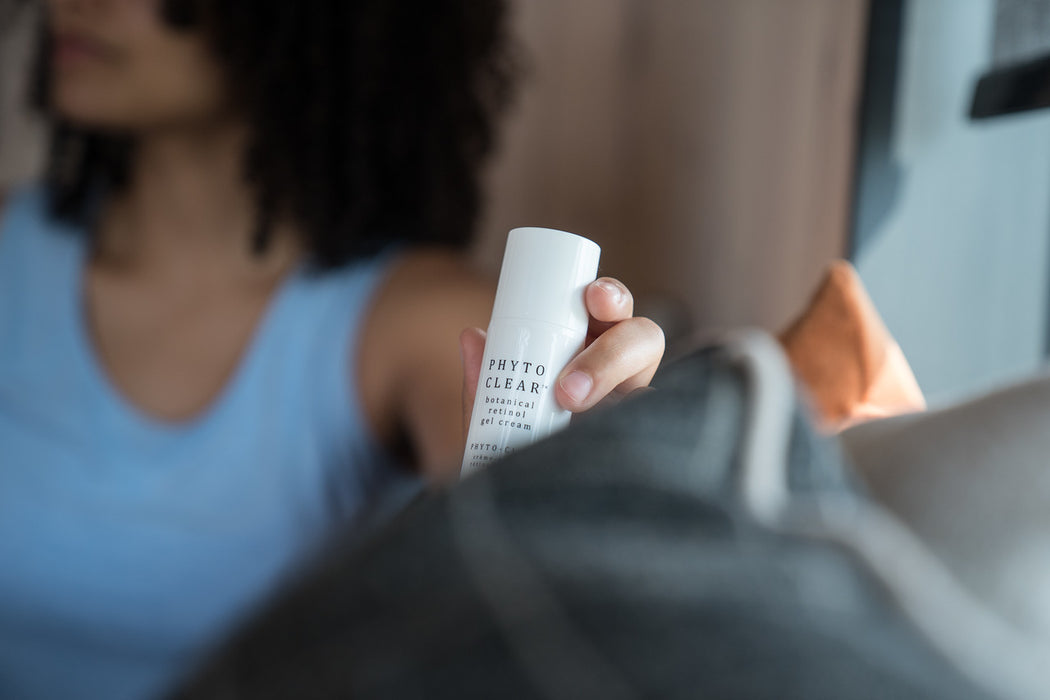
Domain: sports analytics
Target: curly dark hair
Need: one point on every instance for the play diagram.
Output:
(369, 119)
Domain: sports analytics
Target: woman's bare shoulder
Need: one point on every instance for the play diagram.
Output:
(427, 298)
(427, 292)
(408, 361)
(428, 278)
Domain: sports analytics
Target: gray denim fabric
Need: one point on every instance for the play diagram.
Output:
(617, 559)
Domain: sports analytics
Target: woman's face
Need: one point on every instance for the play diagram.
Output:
(116, 65)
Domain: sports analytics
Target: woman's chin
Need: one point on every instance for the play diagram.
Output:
(89, 107)
(89, 115)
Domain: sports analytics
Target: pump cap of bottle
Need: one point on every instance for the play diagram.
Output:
(543, 277)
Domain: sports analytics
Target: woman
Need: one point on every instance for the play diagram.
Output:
(232, 308)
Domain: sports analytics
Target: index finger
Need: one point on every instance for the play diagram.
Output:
(608, 302)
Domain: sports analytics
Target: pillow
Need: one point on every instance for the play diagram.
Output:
(846, 359)
(971, 480)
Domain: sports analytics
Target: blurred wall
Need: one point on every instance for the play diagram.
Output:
(21, 138)
(958, 265)
(706, 144)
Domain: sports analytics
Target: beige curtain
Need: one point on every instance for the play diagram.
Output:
(706, 144)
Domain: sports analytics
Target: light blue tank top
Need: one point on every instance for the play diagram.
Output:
(129, 547)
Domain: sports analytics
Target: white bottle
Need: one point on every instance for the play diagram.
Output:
(539, 322)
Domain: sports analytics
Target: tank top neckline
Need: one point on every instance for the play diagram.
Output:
(116, 404)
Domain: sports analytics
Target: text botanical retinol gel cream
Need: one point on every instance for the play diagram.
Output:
(539, 321)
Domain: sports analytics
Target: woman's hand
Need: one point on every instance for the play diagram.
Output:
(621, 353)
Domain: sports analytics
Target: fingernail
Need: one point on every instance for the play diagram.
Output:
(612, 288)
(577, 385)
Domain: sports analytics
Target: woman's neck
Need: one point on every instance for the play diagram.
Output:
(188, 212)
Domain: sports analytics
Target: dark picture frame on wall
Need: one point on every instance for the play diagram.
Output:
(878, 177)
(1019, 79)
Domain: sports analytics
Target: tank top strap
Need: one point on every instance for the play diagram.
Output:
(34, 247)
(39, 260)
(309, 350)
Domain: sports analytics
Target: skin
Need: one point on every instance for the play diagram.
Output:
(172, 294)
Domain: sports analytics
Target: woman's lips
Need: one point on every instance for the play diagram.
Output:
(75, 50)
